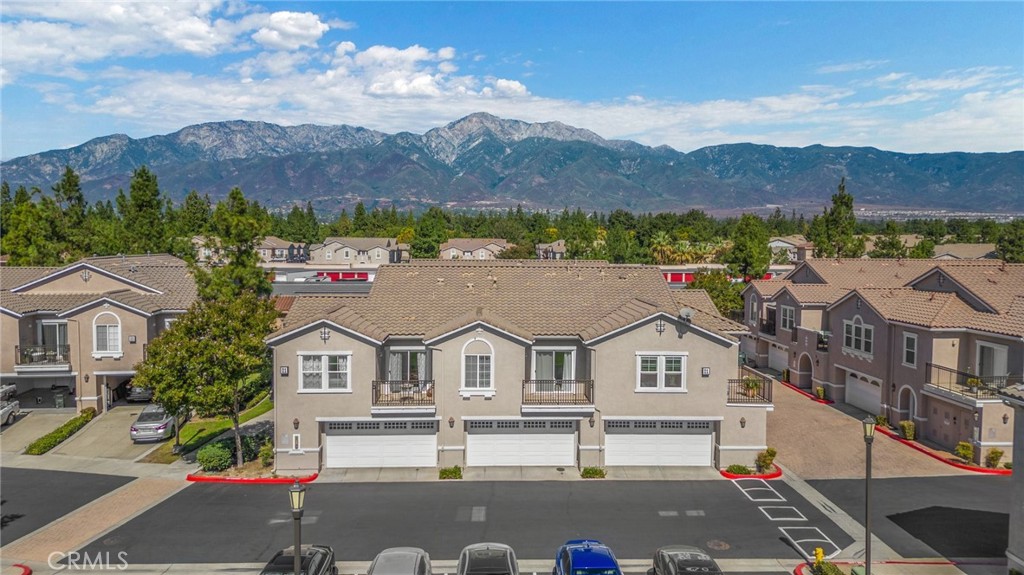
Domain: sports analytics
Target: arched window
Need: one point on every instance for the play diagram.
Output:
(477, 365)
(107, 334)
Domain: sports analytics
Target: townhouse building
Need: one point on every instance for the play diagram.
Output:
(926, 341)
(552, 251)
(83, 327)
(362, 253)
(514, 363)
(472, 248)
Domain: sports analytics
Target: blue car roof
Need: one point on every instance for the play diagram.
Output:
(590, 553)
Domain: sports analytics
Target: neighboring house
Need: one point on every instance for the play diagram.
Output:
(274, 249)
(966, 252)
(84, 326)
(681, 274)
(791, 245)
(472, 248)
(207, 250)
(359, 253)
(1014, 397)
(514, 363)
(553, 251)
(915, 340)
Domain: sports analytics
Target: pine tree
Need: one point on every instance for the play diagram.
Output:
(750, 254)
(889, 244)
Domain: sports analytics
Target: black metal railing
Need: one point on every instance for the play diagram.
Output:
(968, 384)
(750, 389)
(402, 393)
(823, 340)
(42, 354)
(558, 392)
(767, 327)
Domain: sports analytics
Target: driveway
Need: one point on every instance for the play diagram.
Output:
(31, 426)
(818, 441)
(107, 436)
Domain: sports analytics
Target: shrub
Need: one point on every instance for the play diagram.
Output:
(1008, 465)
(267, 453)
(882, 420)
(453, 472)
(826, 568)
(964, 450)
(737, 469)
(256, 399)
(766, 459)
(992, 457)
(785, 375)
(973, 382)
(907, 429)
(820, 391)
(214, 457)
(592, 473)
(55, 437)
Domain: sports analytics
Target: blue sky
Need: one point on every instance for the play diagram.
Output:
(908, 77)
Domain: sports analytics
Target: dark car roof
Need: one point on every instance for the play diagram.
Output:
(590, 553)
(283, 562)
(488, 558)
(685, 556)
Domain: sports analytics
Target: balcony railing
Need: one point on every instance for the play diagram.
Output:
(42, 355)
(823, 339)
(750, 389)
(558, 392)
(767, 327)
(968, 384)
(403, 393)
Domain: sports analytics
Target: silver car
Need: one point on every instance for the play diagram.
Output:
(488, 559)
(684, 560)
(400, 561)
(153, 424)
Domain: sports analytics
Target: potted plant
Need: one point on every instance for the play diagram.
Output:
(752, 385)
(973, 383)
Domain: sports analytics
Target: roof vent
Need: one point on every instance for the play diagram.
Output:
(687, 314)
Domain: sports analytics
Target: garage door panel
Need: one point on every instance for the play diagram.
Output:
(514, 443)
(373, 444)
(777, 358)
(865, 395)
(653, 443)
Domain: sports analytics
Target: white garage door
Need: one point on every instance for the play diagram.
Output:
(777, 358)
(654, 443)
(863, 394)
(521, 442)
(381, 444)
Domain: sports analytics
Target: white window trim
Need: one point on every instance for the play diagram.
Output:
(454, 253)
(407, 349)
(753, 310)
(782, 317)
(857, 321)
(996, 346)
(44, 322)
(661, 355)
(475, 391)
(96, 353)
(168, 322)
(323, 355)
(572, 359)
(908, 336)
(296, 446)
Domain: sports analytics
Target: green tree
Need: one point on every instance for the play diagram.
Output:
(750, 254)
(723, 292)
(833, 232)
(6, 207)
(661, 248)
(30, 239)
(923, 250)
(889, 244)
(240, 226)
(520, 251)
(169, 371)
(1010, 246)
(143, 215)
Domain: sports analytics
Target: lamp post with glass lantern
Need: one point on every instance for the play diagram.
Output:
(297, 496)
(869, 436)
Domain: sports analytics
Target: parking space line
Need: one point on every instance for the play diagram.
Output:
(806, 544)
(479, 514)
(758, 485)
(782, 513)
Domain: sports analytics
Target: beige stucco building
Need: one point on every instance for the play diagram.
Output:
(512, 363)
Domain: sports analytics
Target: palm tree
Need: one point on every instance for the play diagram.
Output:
(661, 248)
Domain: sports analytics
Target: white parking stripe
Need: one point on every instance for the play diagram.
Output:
(479, 514)
(782, 513)
(806, 539)
(758, 487)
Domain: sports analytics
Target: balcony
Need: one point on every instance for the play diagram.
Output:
(558, 392)
(42, 357)
(403, 393)
(750, 390)
(766, 327)
(968, 384)
(823, 339)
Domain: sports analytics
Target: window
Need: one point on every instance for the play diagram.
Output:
(454, 253)
(296, 443)
(344, 254)
(379, 253)
(858, 337)
(478, 372)
(467, 254)
(991, 360)
(788, 317)
(328, 254)
(753, 309)
(107, 328)
(483, 254)
(658, 371)
(553, 365)
(407, 365)
(910, 349)
(324, 372)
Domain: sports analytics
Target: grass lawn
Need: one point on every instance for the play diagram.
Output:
(198, 431)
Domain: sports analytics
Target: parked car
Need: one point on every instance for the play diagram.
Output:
(316, 560)
(400, 561)
(153, 424)
(136, 393)
(488, 559)
(683, 560)
(585, 557)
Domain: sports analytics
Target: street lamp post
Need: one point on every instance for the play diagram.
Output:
(869, 436)
(297, 495)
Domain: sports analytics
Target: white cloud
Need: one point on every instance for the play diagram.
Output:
(851, 66)
(290, 31)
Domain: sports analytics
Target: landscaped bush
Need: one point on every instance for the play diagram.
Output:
(737, 469)
(821, 566)
(257, 398)
(964, 450)
(882, 420)
(1008, 465)
(592, 473)
(214, 457)
(907, 429)
(267, 453)
(251, 445)
(453, 472)
(992, 457)
(820, 392)
(55, 437)
(766, 459)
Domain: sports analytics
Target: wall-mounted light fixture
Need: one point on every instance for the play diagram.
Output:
(284, 371)
(295, 423)
(975, 416)
(451, 422)
(1006, 418)
(131, 339)
(591, 421)
(86, 378)
(817, 361)
(743, 422)
(659, 326)
(325, 334)
(705, 372)
(894, 387)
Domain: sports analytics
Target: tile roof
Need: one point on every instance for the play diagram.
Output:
(993, 281)
(815, 293)
(528, 298)
(362, 244)
(855, 273)
(707, 315)
(470, 244)
(768, 288)
(942, 310)
(966, 251)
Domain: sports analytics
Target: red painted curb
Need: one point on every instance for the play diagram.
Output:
(250, 480)
(800, 569)
(808, 395)
(913, 445)
(773, 475)
(25, 570)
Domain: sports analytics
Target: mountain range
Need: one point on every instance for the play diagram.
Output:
(482, 162)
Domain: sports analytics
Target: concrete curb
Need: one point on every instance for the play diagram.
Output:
(810, 396)
(913, 445)
(773, 475)
(249, 480)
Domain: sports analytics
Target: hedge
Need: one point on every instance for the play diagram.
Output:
(55, 437)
